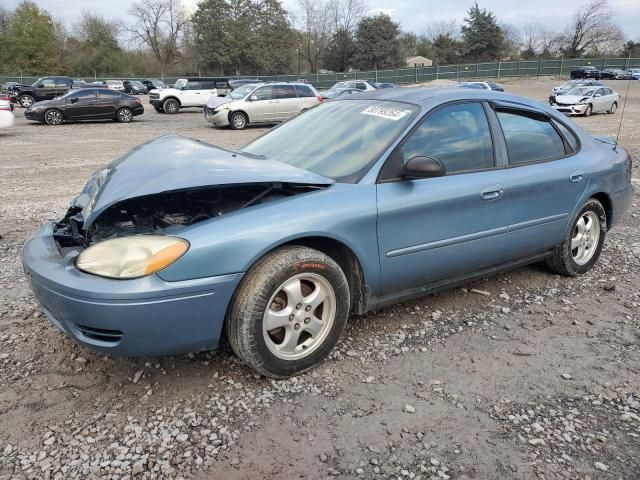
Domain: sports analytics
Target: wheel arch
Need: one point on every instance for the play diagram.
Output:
(605, 200)
(231, 112)
(172, 97)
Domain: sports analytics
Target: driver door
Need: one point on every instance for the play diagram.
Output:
(433, 230)
(81, 105)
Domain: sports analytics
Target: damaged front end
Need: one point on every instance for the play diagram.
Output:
(154, 214)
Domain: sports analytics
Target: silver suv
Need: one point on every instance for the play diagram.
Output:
(260, 103)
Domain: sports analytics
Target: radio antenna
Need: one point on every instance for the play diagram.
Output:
(624, 104)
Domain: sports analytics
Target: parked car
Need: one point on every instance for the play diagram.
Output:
(7, 87)
(7, 119)
(188, 92)
(340, 92)
(45, 88)
(260, 103)
(586, 72)
(634, 73)
(364, 85)
(242, 81)
(153, 84)
(614, 74)
(566, 86)
(5, 97)
(134, 87)
(484, 86)
(353, 205)
(116, 85)
(379, 85)
(587, 100)
(86, 104)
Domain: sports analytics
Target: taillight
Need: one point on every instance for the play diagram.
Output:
(6, 108)
(319, 97)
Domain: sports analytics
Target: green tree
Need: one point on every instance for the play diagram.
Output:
(378, 43)
(210, 29)
(446, 49)
(94, 47)
(631, 49)
(341, 52)
(482, 36)
(31, 41)
(274, 37)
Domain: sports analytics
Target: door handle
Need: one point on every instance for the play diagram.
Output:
(492, 192)
(576, 176)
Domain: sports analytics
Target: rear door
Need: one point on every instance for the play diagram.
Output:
(544, 182)
(307, 96)
(107, 104)
(287, 103)
(600, 100)
(261, 105)
(434, 230)
(81, 105)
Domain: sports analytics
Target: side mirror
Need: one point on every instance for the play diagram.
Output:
(73, 100)
(423, 167)
(40, 85)
(597, 95)
(253, 98)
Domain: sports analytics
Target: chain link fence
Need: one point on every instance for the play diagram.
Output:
(465, 71)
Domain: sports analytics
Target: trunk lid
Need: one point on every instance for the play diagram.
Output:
(173, 163)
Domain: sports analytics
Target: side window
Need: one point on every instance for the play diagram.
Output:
(458, 135)
(193, 85)
(48, 83)
(529, 137)
(304, 91)
(106, 94)
(361, 86)
(207, 85)
(285, 91)
(264, 93)
(221, 84)
(87, 94)
(568, 135)
(62, 83)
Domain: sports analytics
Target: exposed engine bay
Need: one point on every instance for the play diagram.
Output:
(152, 214)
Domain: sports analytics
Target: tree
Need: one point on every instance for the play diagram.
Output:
(209, 28)
(512, 41)
(94, 46)
(592, 30)
(378, 43)
(483, 37)
(341, 51)
(346, 16)
(31, 42)
(158, 24)
(315, 24)
(631, 49)
(274, 37)
(446, 49)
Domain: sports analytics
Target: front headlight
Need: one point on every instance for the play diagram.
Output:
(131, 257)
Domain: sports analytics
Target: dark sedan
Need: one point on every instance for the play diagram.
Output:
(134, 87)
(615, 74)
(86, 104)
(586, 72)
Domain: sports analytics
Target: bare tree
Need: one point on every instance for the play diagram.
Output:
(316, 24)
(512, 41)
(347, 13)
(159, 25)
(591, 29)
(443, 28)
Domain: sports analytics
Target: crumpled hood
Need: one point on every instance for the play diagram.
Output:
(570, 99)
(173, 162)
(215, 101)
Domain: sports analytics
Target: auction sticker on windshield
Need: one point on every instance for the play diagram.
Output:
(386, 112)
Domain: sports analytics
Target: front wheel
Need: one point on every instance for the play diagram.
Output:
(53, 117)
(288, 312)
(26, 101)
(581, 249)
(613, 108)
(124, 115)
(238, 120)
(588, 111)
(171, 106)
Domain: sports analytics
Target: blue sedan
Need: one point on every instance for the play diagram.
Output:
(353, 205)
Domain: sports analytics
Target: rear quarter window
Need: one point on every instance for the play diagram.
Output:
(304, 91)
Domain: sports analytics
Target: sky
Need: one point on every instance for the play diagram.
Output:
(413, 15)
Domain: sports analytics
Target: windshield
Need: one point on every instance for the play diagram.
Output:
(181, 82)
(581, 91)
(340, 85)
(338, 139)
(241, 92)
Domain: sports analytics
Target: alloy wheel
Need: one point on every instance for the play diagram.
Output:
(53, 117)
(125, 115)
(585, 238)
(239, 121)
(299, 316)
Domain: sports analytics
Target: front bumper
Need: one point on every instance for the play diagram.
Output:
(577, 109)
(37, 116)
(141, 317)
(218, 118)
(7, 119)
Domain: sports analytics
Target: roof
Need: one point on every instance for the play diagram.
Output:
(417, 58)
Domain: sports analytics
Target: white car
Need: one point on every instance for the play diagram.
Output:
(587, 100)
(115, 85)
(260, 103)
(363, 85)
(188, 92)
(6, 115)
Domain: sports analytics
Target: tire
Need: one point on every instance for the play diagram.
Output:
(53, 117)
(262, 292)
(614, 107)
(567, 260)
(171, 106)
(124, 115)
(238, 120)
(26, 100)
(588, 111)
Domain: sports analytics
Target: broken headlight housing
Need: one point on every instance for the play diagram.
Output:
(131, 257)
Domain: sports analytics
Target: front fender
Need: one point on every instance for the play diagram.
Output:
(232, 243)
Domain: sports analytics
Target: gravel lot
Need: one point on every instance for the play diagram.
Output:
(525, 375)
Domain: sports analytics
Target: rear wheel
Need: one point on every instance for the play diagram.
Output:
(124, 115)
(238, 120)
(26, 101)
(583, 245)
(588, 111)
(171, 106)
(53, 117)
(288, 312)
(614, 107)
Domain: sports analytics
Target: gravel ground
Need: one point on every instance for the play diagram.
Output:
(526, 375)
